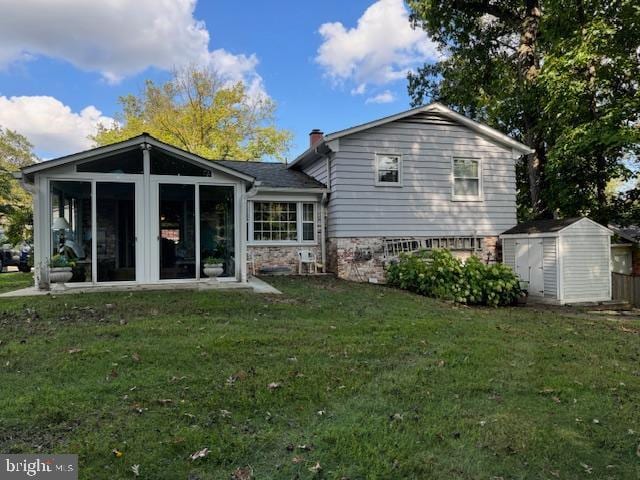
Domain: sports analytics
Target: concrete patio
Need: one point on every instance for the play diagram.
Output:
(253, 284)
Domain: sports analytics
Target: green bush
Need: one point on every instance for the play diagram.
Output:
(439, 274)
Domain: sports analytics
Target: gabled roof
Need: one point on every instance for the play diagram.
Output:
(274, 175)
(435, 108)
(631, 233)
(548, 226)
(145, 138)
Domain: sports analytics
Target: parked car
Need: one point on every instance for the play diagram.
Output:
(16, 257)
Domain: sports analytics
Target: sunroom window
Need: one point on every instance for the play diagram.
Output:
(466, 179)
(284, 222)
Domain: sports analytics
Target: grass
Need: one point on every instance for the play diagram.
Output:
(15, 281)
(372, 383)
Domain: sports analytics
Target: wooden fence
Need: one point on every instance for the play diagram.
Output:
(626, 287)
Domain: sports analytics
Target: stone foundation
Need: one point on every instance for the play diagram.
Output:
(362, 259)
(281, 260)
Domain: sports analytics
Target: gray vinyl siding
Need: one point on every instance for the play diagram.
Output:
(318, 170)
(550, 267)
(423, 205)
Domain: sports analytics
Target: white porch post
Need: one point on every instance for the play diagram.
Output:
(146, 236)
(241, 200)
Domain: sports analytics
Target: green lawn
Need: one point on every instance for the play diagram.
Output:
(14, 281)
(371, 383)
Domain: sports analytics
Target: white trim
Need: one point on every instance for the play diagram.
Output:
(251, 242)
(141, 140)
(377, 182)
(467, 198)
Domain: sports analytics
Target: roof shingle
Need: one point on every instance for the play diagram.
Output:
(275, 175)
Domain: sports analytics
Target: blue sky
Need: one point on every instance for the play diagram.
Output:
(327, 65)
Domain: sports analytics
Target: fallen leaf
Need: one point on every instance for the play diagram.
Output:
(113, 374)
(587, 468)
(245, 473)
(556, 399)
(74, 350)
(135, 469)
(117, 453)
(273, 386)
(199, 454)
(135, 357)
(396, 417)
(164, 401)
(596, 421)
(316, 468)
(297, 459)
(555, 473)
(305, 447)
(638, 450)
(225, 413)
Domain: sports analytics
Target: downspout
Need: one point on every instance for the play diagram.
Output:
(323, 239)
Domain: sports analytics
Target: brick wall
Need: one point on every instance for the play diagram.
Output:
(362, 259)
(281, 256)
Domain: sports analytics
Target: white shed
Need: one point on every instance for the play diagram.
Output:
(563, 261)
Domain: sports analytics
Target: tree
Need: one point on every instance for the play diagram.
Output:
(560, 75)
(490, 73)
(15, 202)
(197, 111)
(590, 77)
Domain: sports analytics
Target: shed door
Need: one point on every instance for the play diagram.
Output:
(536, 277)
(522, 259)
(529, 254)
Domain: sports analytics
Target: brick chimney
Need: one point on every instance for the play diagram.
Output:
(315, 136)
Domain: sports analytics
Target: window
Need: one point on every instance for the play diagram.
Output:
(284, 222)
(275, 221)
(163, 164)
(466, 179)
(388, 169)
(308, 222)
(129, 162)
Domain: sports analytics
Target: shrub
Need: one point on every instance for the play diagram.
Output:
(61, 261)
(441, 275)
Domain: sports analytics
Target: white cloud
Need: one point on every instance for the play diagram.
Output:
(381, 49)
(52, 127)
(117, 38)
(384, 97)
(359, 90)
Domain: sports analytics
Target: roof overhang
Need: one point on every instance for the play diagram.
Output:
(145, 140)
(604, 231)
(325, 145)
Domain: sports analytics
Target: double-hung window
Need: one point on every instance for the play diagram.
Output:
(287, 222)
(467, 184)
(388, 170)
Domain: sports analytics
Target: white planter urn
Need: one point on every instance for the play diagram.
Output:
(213, 270)
(60, 275)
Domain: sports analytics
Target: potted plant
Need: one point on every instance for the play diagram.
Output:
(213, 266)
(60, 269)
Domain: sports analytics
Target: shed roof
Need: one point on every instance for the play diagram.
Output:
(542, 226)
(274, 175)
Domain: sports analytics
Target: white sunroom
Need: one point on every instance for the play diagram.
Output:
(561, 261)
(138, 212)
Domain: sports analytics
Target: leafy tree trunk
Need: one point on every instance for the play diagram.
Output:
(529, 69)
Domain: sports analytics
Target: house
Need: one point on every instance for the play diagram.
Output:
(625, 250)
(561, 260)
(142, 211)
(625, 264)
